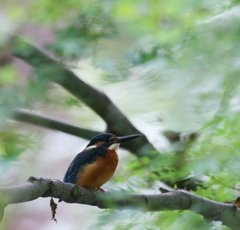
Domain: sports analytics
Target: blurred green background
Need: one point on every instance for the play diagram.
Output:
(172, 67)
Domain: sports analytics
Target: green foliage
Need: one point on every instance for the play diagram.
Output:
(78, 38)
(12, 145)
(138, 220)
(8, 75)
(176, 66)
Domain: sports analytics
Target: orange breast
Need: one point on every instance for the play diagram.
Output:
(98, 173)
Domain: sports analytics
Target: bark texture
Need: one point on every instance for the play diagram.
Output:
(35, 188)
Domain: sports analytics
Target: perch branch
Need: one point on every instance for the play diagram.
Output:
(228, 214)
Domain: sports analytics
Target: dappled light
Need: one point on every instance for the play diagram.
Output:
(166, 69)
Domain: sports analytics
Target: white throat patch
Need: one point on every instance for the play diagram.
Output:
(114, 146)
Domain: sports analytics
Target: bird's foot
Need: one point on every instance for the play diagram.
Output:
(101, 189)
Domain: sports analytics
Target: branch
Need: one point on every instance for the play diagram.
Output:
(98, 101)
(228, 214)
(116, 121)
(188, 183)
(53, 124)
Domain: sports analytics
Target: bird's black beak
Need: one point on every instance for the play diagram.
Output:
(126, 138)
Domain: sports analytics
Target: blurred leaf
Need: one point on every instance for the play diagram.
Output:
(169, 65)
(8, 75)
(78, 39)
(70, 102)
(13, 144)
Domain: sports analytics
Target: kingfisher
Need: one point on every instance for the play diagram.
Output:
(96, 164)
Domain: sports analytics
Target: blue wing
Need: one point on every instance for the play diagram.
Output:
(82, 159)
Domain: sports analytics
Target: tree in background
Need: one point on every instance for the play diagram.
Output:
(168, 69)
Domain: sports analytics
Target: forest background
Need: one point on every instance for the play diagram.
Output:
(171, 67)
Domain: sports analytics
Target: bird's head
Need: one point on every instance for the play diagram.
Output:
(109, 140)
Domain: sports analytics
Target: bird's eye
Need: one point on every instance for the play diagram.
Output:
(105, 139)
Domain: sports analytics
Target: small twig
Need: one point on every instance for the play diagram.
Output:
(2, 207)
(53, 206)
(163, 190)
(228, 186)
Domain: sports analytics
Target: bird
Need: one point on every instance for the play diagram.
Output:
(96, 164)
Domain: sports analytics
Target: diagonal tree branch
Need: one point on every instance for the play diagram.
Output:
(188, 183)
(98, 101)
(117, 123)
(53, 124)
(228, 214)
(50, 123)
